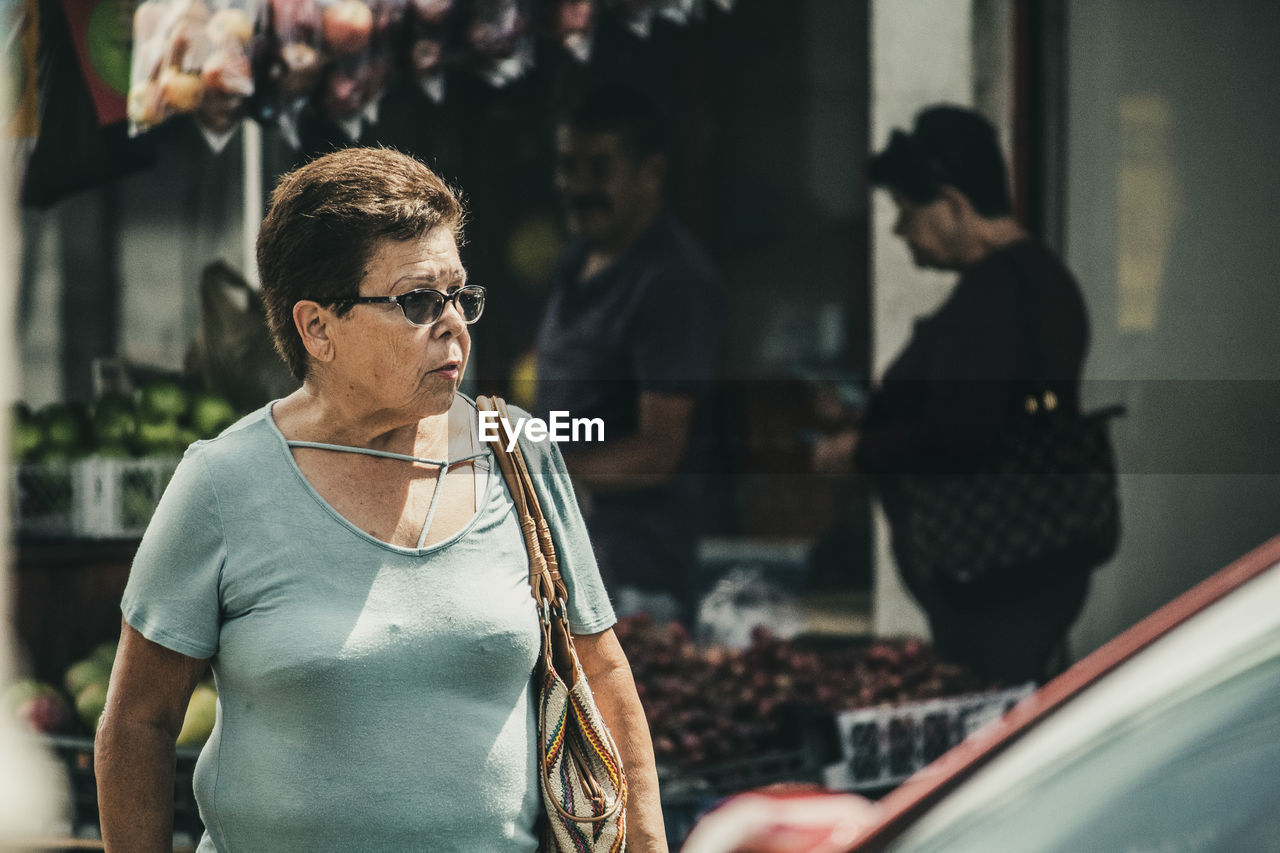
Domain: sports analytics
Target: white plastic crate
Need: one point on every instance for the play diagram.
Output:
(41, 498)
(881, 747)
(95, 497)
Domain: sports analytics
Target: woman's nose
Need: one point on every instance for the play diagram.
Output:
(450, 318)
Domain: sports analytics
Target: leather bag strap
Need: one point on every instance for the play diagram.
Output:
(545, 583)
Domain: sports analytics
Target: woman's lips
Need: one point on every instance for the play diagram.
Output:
(448, 371)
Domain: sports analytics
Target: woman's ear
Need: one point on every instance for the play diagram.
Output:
(313, 324)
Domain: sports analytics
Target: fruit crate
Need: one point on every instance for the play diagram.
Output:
(96, 497)
(731, 777)
(881, 747)
(76, 756)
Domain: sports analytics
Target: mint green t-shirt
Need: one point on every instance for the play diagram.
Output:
(371, 697)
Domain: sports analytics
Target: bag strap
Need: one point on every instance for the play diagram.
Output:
(1031, 306)
(545, 583)
(1042, 397)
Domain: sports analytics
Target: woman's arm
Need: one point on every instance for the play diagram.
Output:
(609, 674)
(133, 752)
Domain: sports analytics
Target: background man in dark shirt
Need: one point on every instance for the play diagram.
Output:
(1015, 311)
(631, 335)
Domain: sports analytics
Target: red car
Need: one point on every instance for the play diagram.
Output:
(1165, 740)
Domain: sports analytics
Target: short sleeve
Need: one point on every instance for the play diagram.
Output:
(589, 609)
(676, 332)
(172, 596)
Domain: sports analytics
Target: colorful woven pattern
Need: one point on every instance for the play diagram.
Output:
(583, 786)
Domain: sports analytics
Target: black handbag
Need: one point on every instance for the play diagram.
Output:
(1039, 503)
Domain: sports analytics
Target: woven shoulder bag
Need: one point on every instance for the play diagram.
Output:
(580, 771)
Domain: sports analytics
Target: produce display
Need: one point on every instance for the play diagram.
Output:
(99, 470)
(711, 704)
(705, 705)
(190, 57)
(220, 60)
(575, 25)
(428, 35)
(160, 419)
(75, 707)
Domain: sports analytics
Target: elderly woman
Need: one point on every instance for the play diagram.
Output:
(348, 562)
(1015, 319)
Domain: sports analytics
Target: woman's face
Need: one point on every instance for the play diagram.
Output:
(395, 366)
(929, 230)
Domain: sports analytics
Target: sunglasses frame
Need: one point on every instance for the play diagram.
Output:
(444, 300)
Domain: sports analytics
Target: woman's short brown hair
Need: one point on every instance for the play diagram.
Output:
(327, 218)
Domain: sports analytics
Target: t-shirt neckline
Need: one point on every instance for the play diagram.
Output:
(283, 444)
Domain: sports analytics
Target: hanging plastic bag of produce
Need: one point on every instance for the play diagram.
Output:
(225, 73)
(358, 39)
(575, 25)
(286, 62)
(499, 38)
(169, 47)
(191, 57)
(428, 25)
(677, 11)
(637, 15)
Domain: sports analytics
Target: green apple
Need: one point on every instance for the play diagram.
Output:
(114, 427)
(26, 440)
(211, 414)
(23, 689)
(157, 435)
(85, 672)
(105, 653)
(65, 425)
(163, 400)
(89, 704)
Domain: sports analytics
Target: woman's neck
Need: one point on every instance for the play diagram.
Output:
(310, 415)
(990, 235)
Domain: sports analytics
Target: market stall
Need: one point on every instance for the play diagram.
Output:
(173, 99)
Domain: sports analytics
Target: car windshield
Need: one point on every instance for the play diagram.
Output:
(1177, 751)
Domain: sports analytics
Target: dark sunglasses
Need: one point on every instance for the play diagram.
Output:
(424, 307)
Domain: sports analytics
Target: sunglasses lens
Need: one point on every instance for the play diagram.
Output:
(470, 301)
(422, 307)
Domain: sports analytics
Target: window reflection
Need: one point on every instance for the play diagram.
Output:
(1146, 189)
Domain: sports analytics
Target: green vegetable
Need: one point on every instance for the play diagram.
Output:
(157, 435)
(163, 399)
(64, 426)
(211, 414)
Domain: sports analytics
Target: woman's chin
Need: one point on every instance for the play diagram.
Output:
(437, 394)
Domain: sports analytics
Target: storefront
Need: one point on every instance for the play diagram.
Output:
(136, 266)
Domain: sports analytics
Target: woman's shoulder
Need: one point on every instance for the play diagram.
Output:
(539, 449)
(243, 443)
